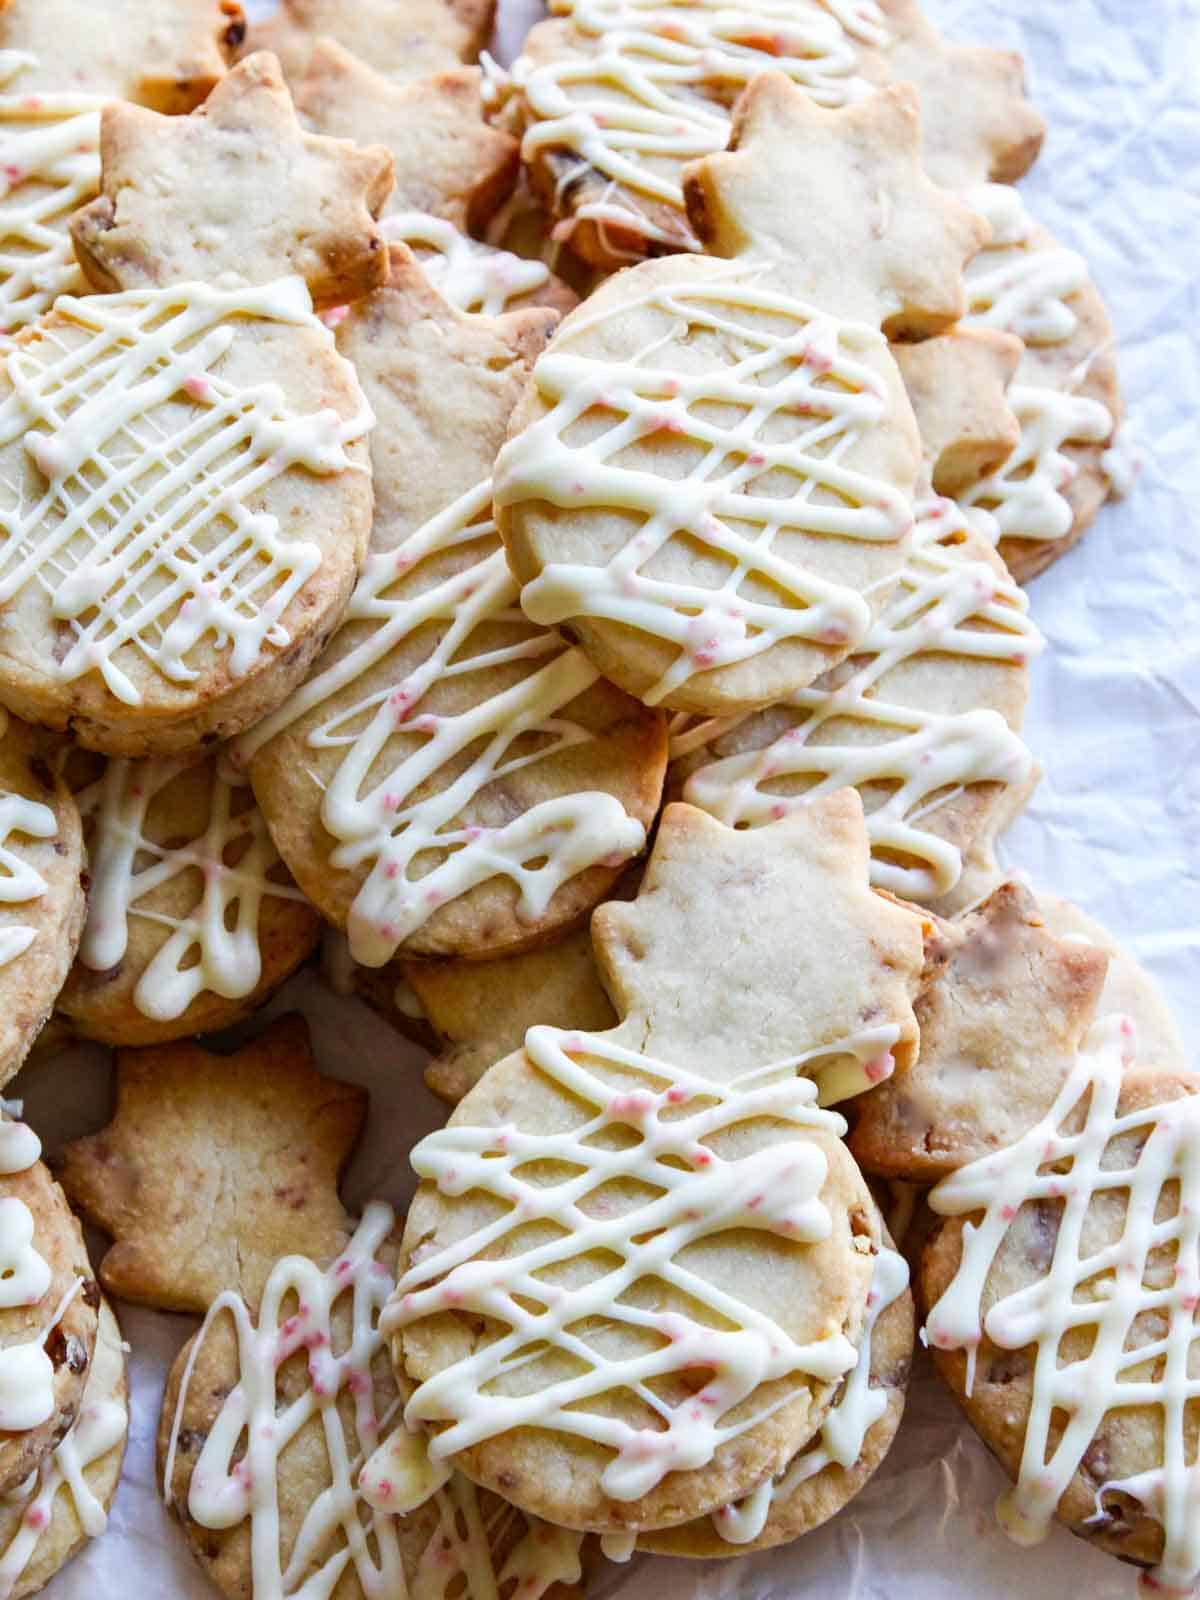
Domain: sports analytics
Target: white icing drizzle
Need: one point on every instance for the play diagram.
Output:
(342, 1529)
(799, 363)
(1124, 459)
(19, 882)
(1023, 288)
(383, 804)
(472, 276)
(214, 945)
(1136, 1294)
(100, 1428)
(936, 608)
(855, 1411)
(692, 1193)
(49, 166)
(1025, 493)
(140, 532)
(640, 96)
(26, 1371)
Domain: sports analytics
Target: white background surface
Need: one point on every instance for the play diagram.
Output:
(1115, 723)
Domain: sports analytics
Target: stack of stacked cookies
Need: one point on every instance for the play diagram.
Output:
(415, 474)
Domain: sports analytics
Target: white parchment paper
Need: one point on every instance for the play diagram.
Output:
(1115, 723)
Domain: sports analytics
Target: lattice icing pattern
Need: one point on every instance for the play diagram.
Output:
(215, 945)
(1023, 285)
(686, 1191)
(49, 166)
(1127, 1301)
(844, 730)
(642, 95)
(138, 528)
(842, 1435)
(473, 276)
(390, 803)
(20, 882)
(789, 363)
(341, 1531)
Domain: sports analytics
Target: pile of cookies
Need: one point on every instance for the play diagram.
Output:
(553, 539)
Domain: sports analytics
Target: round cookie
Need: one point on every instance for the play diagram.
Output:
(193, 920)
(600, 1205)
(1061, 1290)
(454, 779)
(42, 887)
(68, 1501)
(313, 1355)
(1065, 392)
(48, 1309)
(922, 720)
(854, 1439)
(709, 479)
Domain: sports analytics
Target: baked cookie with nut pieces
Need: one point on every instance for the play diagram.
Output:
(709, 480)
(193, 920)
(67, 1499)
(682, 1165)
(42, 886)
(49, 1303)
(59, 63)
(300, 1503)
(213, 1165)
(454, 779)
(403, 39)
(219, 437)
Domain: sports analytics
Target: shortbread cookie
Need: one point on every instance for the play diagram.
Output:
(452, 168)
(215, 1165)
(193, 920)
(48, 1309)
(454, 779)
(922, 720)
(402, 39)
(1065, 392)
(1001, 1022)
(1128, 987)
(42, 887)
(1062, 1292)
(746, 380)
(831, 1469)
(68, 1499)
(680, 1178)
(957, 383)
(306, 1383)
(219, 437)
(617, 95)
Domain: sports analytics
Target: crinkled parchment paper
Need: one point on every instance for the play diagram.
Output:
(1115, 722)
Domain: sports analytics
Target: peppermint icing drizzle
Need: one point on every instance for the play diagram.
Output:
(342, 1530)
(1128, 1297)
(795, 364)
(648, 88)
(140, 529)
(49, 166)
(472, 276)
(214, 944)
(845, 730)
(692, 1193)
(406, 775)
(19, 881)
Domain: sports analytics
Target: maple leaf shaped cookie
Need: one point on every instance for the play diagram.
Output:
(709, 479)
(600, 1204)
(213, 1166)
(403, 39)
(976, 123)
(177, 196)
(1001, 1020)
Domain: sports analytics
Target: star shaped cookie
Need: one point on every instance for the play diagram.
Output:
(957, 383)
(236, 193)
(403, 39)
(864, 229)
(215, 1166)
